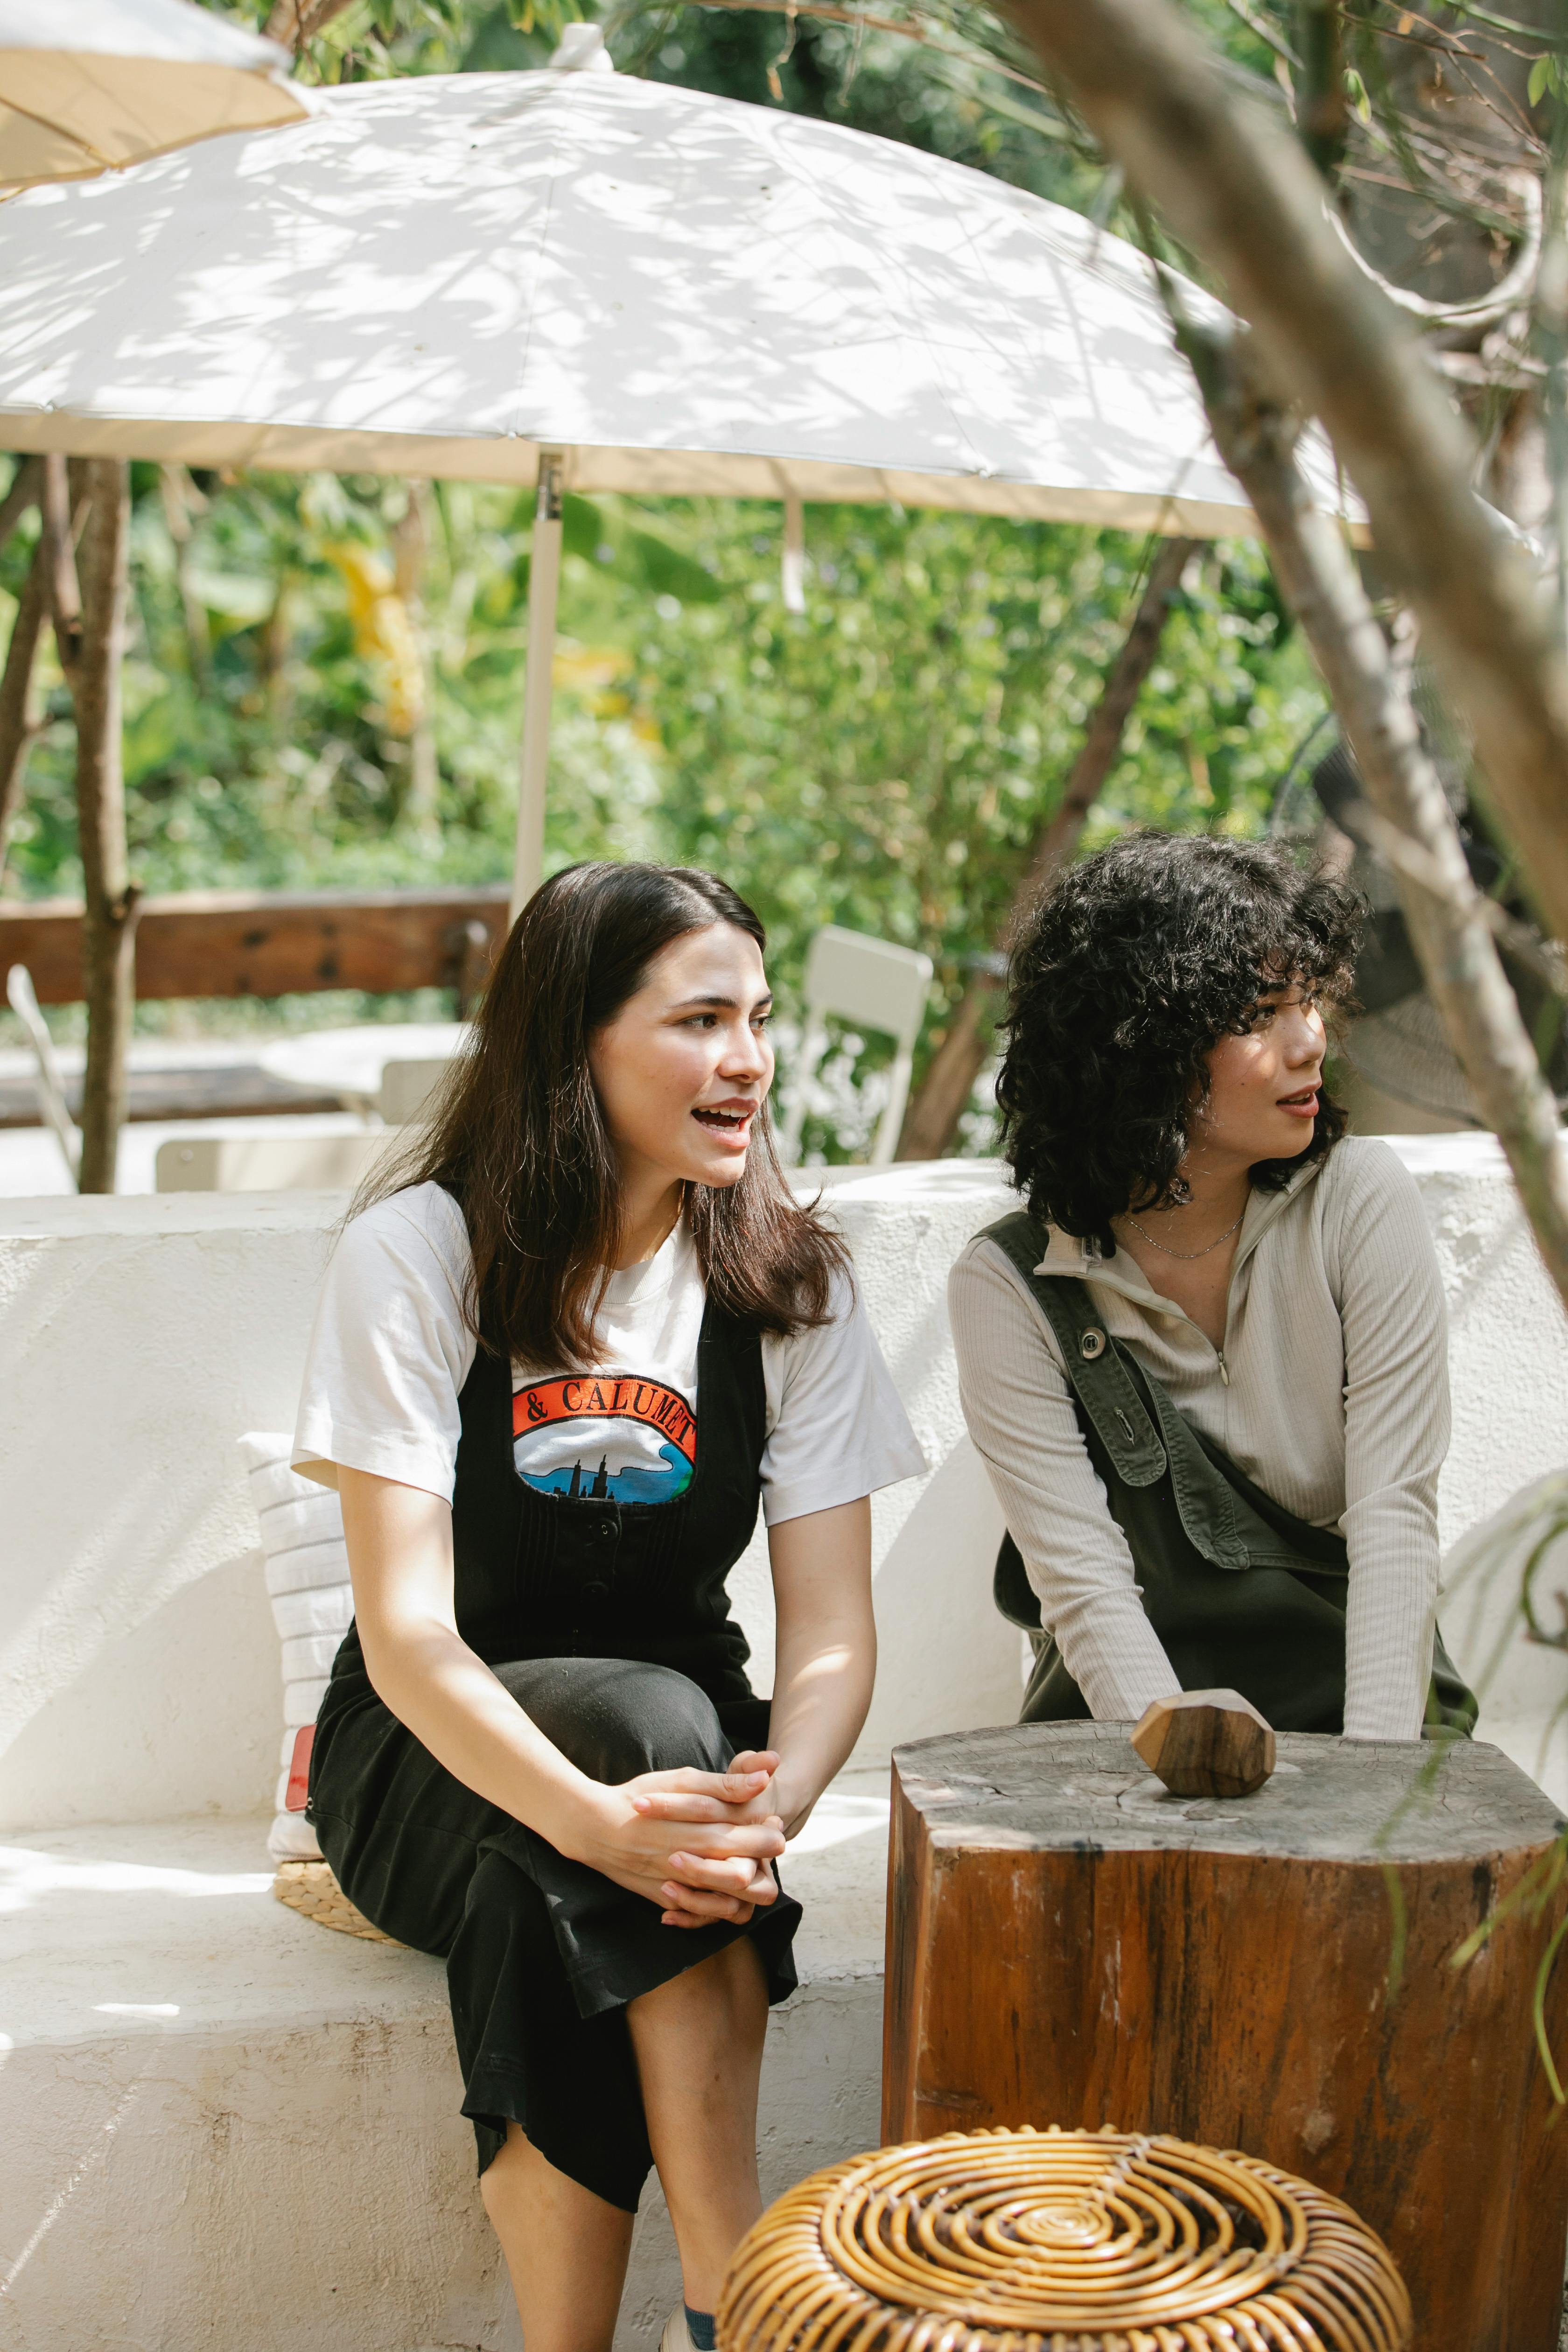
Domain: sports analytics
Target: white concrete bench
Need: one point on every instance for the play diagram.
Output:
(225, 2127)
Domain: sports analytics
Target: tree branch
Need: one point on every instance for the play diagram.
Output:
(1057, 841)
(932, 1120)
(61, 586)
(1445, 914)
(1249, 203)
(1323, 104)
(24, 492)
(20, 718)
(294, 22)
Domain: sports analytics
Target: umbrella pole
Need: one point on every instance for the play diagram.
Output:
(543, 587)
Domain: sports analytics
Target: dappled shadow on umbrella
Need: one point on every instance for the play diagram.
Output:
(443, 274)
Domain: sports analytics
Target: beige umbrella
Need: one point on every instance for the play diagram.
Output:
(575, 279)
(90, 85)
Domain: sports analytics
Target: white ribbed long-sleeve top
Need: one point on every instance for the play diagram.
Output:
(1330, 1393)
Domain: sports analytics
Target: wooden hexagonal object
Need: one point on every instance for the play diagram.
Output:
(1208, 1743)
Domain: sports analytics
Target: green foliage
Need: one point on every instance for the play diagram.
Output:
(881, 760)
(884, 760)
(1548, 74)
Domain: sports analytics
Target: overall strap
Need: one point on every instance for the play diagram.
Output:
(1093, 1364)
(1227, 1518)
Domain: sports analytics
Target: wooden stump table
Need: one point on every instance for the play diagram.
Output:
(1069, 1943)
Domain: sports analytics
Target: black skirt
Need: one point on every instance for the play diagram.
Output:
(543, 1954)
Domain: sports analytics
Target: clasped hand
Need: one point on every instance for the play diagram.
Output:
(697, 1844)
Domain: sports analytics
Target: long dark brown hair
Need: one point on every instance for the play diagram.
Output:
(517, 1133)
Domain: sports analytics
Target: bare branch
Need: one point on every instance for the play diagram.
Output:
(1056, 845)
(1449, 924)
(1250, 204)
(61, 586)
(24, 492)
(295, 22)
(932, 1119)
(1322, 102)
(1511, 292)
(20, 718)
(1544, 958)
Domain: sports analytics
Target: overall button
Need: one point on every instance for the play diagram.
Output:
(607, 1530)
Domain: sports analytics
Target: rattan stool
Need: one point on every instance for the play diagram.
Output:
(1060, 2242)
(310, 1888)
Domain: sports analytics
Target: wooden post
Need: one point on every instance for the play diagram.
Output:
(1070, 1944)
(543, 589)
(420, 811)
(108, 932)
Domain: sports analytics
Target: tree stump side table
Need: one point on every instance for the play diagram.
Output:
(1070, 1944)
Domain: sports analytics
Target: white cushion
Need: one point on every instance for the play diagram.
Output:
(325, 1608)
(318, 1565)
(311, 1655)
(301, 1527)
(302, 1701)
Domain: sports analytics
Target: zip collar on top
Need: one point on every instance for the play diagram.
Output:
(1067, 1254)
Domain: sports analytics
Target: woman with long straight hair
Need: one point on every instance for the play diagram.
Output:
(1206, 1361)
(561, 1356)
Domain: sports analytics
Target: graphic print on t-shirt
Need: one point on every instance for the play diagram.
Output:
(603, 1435)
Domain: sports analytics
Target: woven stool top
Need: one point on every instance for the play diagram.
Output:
(1060, 2242)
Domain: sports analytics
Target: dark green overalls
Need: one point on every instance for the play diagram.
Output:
(1243, 1594)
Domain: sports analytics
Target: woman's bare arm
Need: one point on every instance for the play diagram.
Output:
(400, 1556)
(827, 1659)
(826, 1665)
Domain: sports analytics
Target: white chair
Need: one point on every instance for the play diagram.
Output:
(268, 1163)
(407, 1087)
(47, 1084)
(877, 986)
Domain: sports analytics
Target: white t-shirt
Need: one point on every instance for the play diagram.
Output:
(390, 1351)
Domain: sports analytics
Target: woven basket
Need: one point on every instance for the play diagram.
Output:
(1060, 2242)
(310, 1888)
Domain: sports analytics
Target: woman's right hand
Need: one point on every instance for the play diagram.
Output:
(699, 1845)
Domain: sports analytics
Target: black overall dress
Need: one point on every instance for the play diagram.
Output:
(1243, 1594)
(608, 1622)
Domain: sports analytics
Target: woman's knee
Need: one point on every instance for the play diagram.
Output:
(615, 1718)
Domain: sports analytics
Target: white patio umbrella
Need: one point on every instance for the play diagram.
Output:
(581, 280)
(88, 85)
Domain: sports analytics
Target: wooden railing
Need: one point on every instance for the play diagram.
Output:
(274, 942)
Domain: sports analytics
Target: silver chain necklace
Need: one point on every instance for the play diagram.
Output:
(1166, 1250)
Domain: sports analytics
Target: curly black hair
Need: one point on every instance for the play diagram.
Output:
(1128, 972)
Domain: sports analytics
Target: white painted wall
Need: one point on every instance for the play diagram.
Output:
(138, 1337)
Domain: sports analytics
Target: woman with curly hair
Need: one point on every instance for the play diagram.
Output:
(1206, 1363)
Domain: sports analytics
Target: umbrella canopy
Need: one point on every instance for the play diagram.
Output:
(87, 86)
(442, 275)
(582, 280)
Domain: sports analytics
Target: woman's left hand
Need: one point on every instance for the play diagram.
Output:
(750, 1778)
(693, 1905)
